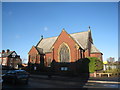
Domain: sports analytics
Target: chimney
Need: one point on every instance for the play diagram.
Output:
(3, 51)
(7, 50)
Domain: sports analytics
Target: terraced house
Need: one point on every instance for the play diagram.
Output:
(65, 48)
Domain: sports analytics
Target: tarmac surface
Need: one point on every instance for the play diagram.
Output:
(43, 81)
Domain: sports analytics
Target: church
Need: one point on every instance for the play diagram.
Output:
(64, 48)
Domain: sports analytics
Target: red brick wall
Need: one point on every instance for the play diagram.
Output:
(34, 57)
(4, 59)
(91, 74)
(33, 51)
(74, 52)
(64, 37)
(38, 59)
(98, 55)
(47, 56)
(86, 53)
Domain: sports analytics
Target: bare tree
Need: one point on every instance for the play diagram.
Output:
(111, 60)
(24, 60)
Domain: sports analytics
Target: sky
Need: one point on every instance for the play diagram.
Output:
(23, 23)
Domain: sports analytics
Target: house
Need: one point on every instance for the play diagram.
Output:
(10, 59)
(65, 48)
(111, 65)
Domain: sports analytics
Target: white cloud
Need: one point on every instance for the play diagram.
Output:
(45, 28)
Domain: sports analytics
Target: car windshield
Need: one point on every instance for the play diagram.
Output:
(9, 72)
(21, 72)
(17, 72)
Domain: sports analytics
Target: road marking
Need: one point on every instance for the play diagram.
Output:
(104, 82)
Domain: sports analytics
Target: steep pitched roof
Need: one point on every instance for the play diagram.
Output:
(63, 31)
(5, 54)
(40, 50)
(80, 38)
(94, 49)
(46, 44)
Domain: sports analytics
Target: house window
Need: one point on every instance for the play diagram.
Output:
(33, 59)
(13, 54)
(64, 68)
(49, 62)
(64, 53)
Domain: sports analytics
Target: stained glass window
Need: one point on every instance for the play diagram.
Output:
(64, 53)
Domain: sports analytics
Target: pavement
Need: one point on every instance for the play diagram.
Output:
(91, 79)
(43, 81)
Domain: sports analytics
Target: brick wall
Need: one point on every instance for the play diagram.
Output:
(34, 56)
(65, 38)
(48, 56)
(98, 55)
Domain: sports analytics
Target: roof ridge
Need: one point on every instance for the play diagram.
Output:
(9, 52)
(68, 33)
(95, 49)
(79, 32)
(53, 39)
(50, 37)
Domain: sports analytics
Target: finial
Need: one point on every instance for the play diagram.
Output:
(89, 27)
(63, 29)
(41, 36)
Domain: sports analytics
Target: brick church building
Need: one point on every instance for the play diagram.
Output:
(64, 48)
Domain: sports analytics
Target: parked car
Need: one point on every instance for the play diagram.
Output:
(15, 76)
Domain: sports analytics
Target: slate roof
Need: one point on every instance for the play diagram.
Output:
(80, 38)
(46, 44)
(94, 49)
(40, 50)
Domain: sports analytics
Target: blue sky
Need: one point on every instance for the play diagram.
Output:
(24, 23)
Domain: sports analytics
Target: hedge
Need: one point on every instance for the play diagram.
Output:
(95, 64)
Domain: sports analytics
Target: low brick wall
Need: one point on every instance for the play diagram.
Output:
(92, 75)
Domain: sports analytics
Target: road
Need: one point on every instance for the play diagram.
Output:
(53, 83)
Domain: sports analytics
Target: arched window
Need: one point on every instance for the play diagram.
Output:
(49, 62)
(64, 53)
